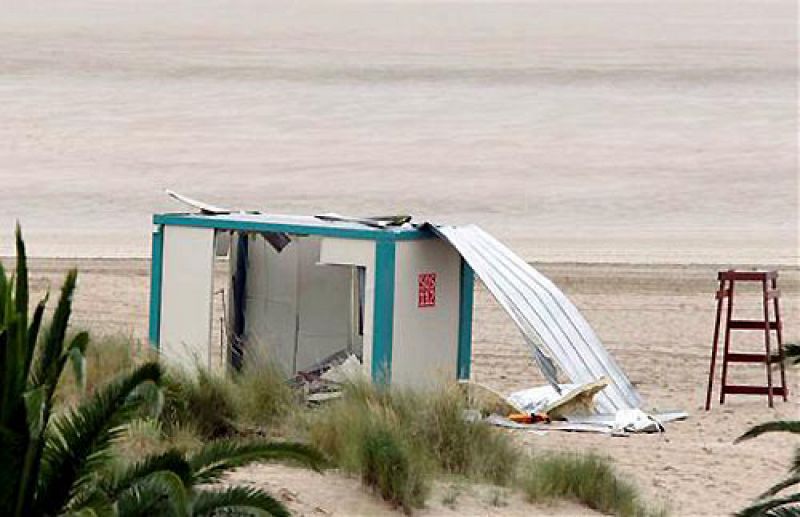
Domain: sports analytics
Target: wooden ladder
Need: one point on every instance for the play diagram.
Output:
(727, 283)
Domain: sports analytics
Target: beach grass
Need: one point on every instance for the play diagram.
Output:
(396, 441)
(202, 401)
(586, 478)
(424, 432)
(263, 398)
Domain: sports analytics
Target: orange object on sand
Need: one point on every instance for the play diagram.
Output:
(521, 418)
(524, 418)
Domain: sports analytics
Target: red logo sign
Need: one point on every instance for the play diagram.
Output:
(427, 290)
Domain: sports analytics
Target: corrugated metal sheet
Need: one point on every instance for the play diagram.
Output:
(549, 322)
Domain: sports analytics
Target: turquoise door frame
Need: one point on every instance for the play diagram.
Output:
(383, 320)
(156, 269)
(466, 302)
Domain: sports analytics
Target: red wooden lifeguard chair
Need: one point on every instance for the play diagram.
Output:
(769, 283)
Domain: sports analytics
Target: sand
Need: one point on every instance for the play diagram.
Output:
(656, 320)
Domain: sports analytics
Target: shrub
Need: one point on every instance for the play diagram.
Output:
(426, 429)
(262, 396)
(140, 437)
(366, 435)
(108, 357)
(588, 479)
(389, 467)
(205, 402)
(474, 450)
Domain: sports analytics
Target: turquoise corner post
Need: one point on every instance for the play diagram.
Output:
(465, 320)
(383, 324)
(156, 265)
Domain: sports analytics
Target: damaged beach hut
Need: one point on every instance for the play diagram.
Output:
(398, 295)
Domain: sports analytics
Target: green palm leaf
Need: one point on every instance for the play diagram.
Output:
(49, 364)
(792, 352)
(784, 426)
(216, 458)
(4, 292)
(76, 354)
(35, 409)
(79, 440)
(237, 500)
(795, 465)
(122, 479)
(784, 512)
(33, 331)
(786, 483)
(768, 507)
(160, 493)
(21, 289)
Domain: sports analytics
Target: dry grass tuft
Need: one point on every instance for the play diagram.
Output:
(396, 441)
(202, 401)
(425, 433)
(588, 479)
(262, 396)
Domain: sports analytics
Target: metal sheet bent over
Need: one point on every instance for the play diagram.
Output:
(549, 322)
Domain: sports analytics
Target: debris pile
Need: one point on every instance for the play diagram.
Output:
(570, 408)
(324, 381)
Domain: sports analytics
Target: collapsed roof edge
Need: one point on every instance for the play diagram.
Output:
(549, 322)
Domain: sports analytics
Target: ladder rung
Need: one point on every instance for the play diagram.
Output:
(723, 293)
(751, 390)
(773, 294)
(747, 276)
(751, 325)
(751, 358)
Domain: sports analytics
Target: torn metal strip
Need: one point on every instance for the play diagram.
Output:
(551, 325)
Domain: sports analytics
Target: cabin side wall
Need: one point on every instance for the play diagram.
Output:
(187, 277)
(426, 315)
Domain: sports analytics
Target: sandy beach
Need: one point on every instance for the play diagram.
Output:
(656, 320)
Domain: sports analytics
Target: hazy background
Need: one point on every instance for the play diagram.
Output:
(637, 131)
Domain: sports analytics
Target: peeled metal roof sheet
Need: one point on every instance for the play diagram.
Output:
(551, 324)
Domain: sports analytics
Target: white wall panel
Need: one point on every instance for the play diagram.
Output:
(425, 342)
(186, 295)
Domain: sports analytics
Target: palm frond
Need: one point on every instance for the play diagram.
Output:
(4, 292)
(151, 398)
(12, 361)
(795, 466)
(50, 362)
(237, 500)
(34, 410)
(784, 426)
(154, 494)
(21, 288)
(76, 354)
(85, 512)
(792, 352)
(33, 331)
(786, 511)
(95, 504)
(124, 478)
(768, 507)
(216, 458)
(786, 483)
(80, 439)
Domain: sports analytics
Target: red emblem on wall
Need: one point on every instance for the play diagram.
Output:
(427, 290)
